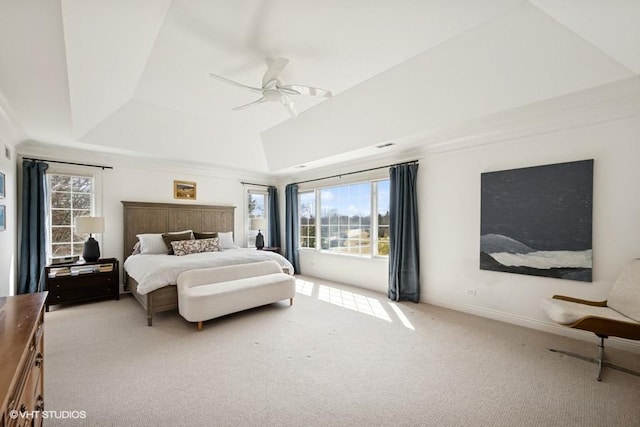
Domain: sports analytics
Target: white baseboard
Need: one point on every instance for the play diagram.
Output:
(553, 328)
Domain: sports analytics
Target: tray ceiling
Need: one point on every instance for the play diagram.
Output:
(132, 76)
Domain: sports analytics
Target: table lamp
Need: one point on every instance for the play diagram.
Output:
(90, 225)
(258, 224)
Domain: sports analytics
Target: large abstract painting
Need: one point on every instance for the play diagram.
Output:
(537, 221)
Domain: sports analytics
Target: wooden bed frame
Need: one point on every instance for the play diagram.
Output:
(142, 217)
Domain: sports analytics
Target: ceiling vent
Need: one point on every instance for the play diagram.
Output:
(385, 145)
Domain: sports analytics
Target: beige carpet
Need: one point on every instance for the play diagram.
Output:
(340, 356)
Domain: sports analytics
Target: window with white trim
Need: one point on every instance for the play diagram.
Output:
(338, 219)
(70, 196)
(257, 207)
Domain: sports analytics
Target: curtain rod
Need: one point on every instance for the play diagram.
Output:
(68, 163)
(360, 171)
(259, 185)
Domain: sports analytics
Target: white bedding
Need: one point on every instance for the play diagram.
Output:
(156, 271)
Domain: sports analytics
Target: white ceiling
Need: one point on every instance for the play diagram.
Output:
(131, 76)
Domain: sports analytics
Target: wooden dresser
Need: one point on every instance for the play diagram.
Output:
(21, 359)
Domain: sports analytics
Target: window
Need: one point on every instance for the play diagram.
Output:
(346, 224)
(70, 196)
(257, 207)
(307, 219)
(382, 198)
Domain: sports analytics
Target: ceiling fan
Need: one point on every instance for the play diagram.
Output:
(273, 90)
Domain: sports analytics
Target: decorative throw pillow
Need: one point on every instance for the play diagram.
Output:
(226, 240)
(210, 245)
(172, 237)
(186, 247)
(152, 244)
(205, 235)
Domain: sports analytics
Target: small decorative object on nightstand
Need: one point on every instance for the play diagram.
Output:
(90, 225)
(78, 282)
(258, 224)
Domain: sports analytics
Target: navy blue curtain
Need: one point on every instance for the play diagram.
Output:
(291, 224)
(33, 238)
(404, 248)
(274, 218)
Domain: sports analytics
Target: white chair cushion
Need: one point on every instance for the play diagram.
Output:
(566, 313)
(625, 294)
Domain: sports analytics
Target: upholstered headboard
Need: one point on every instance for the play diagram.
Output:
(143, 217)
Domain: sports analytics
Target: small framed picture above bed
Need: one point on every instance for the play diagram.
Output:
(184, 190)
(3, 218)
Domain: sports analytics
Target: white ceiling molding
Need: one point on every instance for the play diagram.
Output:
(611, 102)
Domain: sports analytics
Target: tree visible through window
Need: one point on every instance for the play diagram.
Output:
(346, 223)
(256, 208)
(382, 190)
(70, 197)
(308, 220)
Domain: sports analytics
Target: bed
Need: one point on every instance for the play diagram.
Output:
(154, 287)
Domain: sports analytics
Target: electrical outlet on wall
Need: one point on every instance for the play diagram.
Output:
(472, 292)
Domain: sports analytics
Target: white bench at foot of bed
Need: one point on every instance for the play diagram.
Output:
(208, 293)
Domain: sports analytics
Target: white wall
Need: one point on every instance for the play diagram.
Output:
(450, 218)
(449, 210)
(9, 135)
(8, 246)
(136, 181)
(133, 179)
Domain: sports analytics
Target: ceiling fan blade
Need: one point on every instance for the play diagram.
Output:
(231, 82)
(307, 90)
(288, 104)
(257, 101)
(275, 68)
(287, 90)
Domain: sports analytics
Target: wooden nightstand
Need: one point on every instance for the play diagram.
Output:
(82, 282)
(271, 249)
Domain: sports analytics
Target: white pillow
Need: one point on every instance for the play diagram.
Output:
(152, 244)
(226, 240)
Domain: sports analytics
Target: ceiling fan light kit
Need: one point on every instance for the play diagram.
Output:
(273, 90)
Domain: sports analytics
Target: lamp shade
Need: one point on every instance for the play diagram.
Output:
(257, 224)
(89, 224)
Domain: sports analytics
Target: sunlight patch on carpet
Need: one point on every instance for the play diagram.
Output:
(353, 301)
(304, 287)
(407, 324)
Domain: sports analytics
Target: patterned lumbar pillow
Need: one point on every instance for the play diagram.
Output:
(186, 247)
(210, 245)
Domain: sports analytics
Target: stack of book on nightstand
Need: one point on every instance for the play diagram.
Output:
(60, 272)
(105, 268)
(84, 269)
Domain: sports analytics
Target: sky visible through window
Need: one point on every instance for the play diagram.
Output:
(354, 199)
(346, 219)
